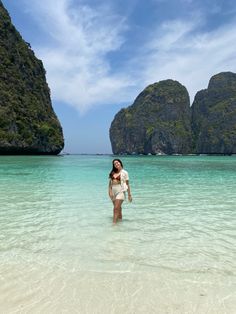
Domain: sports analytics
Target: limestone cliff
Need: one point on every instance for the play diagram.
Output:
(214, 116)
(28, 124)
(158, 122)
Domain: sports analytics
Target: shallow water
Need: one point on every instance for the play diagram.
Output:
(174, 251)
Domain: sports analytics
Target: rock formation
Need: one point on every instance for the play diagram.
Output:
(158, 122)
(214, 116)
(28, 124)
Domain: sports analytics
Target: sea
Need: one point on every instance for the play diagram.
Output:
(173, 252)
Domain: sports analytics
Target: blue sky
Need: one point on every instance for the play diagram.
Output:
(100, 54)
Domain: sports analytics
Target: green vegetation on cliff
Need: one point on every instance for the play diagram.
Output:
(28, 124)
(157, 122)
(214, 116)
(162, 121)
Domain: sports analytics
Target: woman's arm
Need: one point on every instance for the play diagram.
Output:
(129, 192)
(110, 190)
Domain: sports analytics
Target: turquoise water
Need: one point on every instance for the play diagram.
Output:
(58, 244)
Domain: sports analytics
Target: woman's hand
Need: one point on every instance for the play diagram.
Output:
(130, 198)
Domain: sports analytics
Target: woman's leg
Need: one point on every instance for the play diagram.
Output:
(117, 210)
(120, 211)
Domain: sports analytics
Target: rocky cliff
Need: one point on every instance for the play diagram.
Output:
(214, 116)
(158, 122)
(28, 124)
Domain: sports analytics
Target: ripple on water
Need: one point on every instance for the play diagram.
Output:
(57, 240)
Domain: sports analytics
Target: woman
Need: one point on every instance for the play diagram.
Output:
(118, 185)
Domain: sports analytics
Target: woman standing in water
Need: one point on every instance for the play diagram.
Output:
(118, 185)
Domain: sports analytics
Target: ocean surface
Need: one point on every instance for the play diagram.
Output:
(174, 251)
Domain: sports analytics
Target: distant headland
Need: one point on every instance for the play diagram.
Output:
(161, 121)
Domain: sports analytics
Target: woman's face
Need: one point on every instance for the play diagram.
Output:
(117, 164)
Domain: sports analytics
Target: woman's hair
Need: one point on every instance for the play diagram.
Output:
(114, 170)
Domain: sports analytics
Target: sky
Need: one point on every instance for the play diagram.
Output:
(100, 54)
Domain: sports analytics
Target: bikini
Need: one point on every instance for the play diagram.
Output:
(116, 178)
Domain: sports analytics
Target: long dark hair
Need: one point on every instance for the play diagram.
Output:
(114, 170)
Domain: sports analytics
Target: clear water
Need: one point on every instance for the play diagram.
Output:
(60, 252)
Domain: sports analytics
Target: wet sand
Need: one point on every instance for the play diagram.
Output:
(42, 289)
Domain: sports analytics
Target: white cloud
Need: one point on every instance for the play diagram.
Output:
(79, 40)
(179, 52)
(75, 59)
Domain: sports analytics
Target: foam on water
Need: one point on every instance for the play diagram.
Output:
(174, 249)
